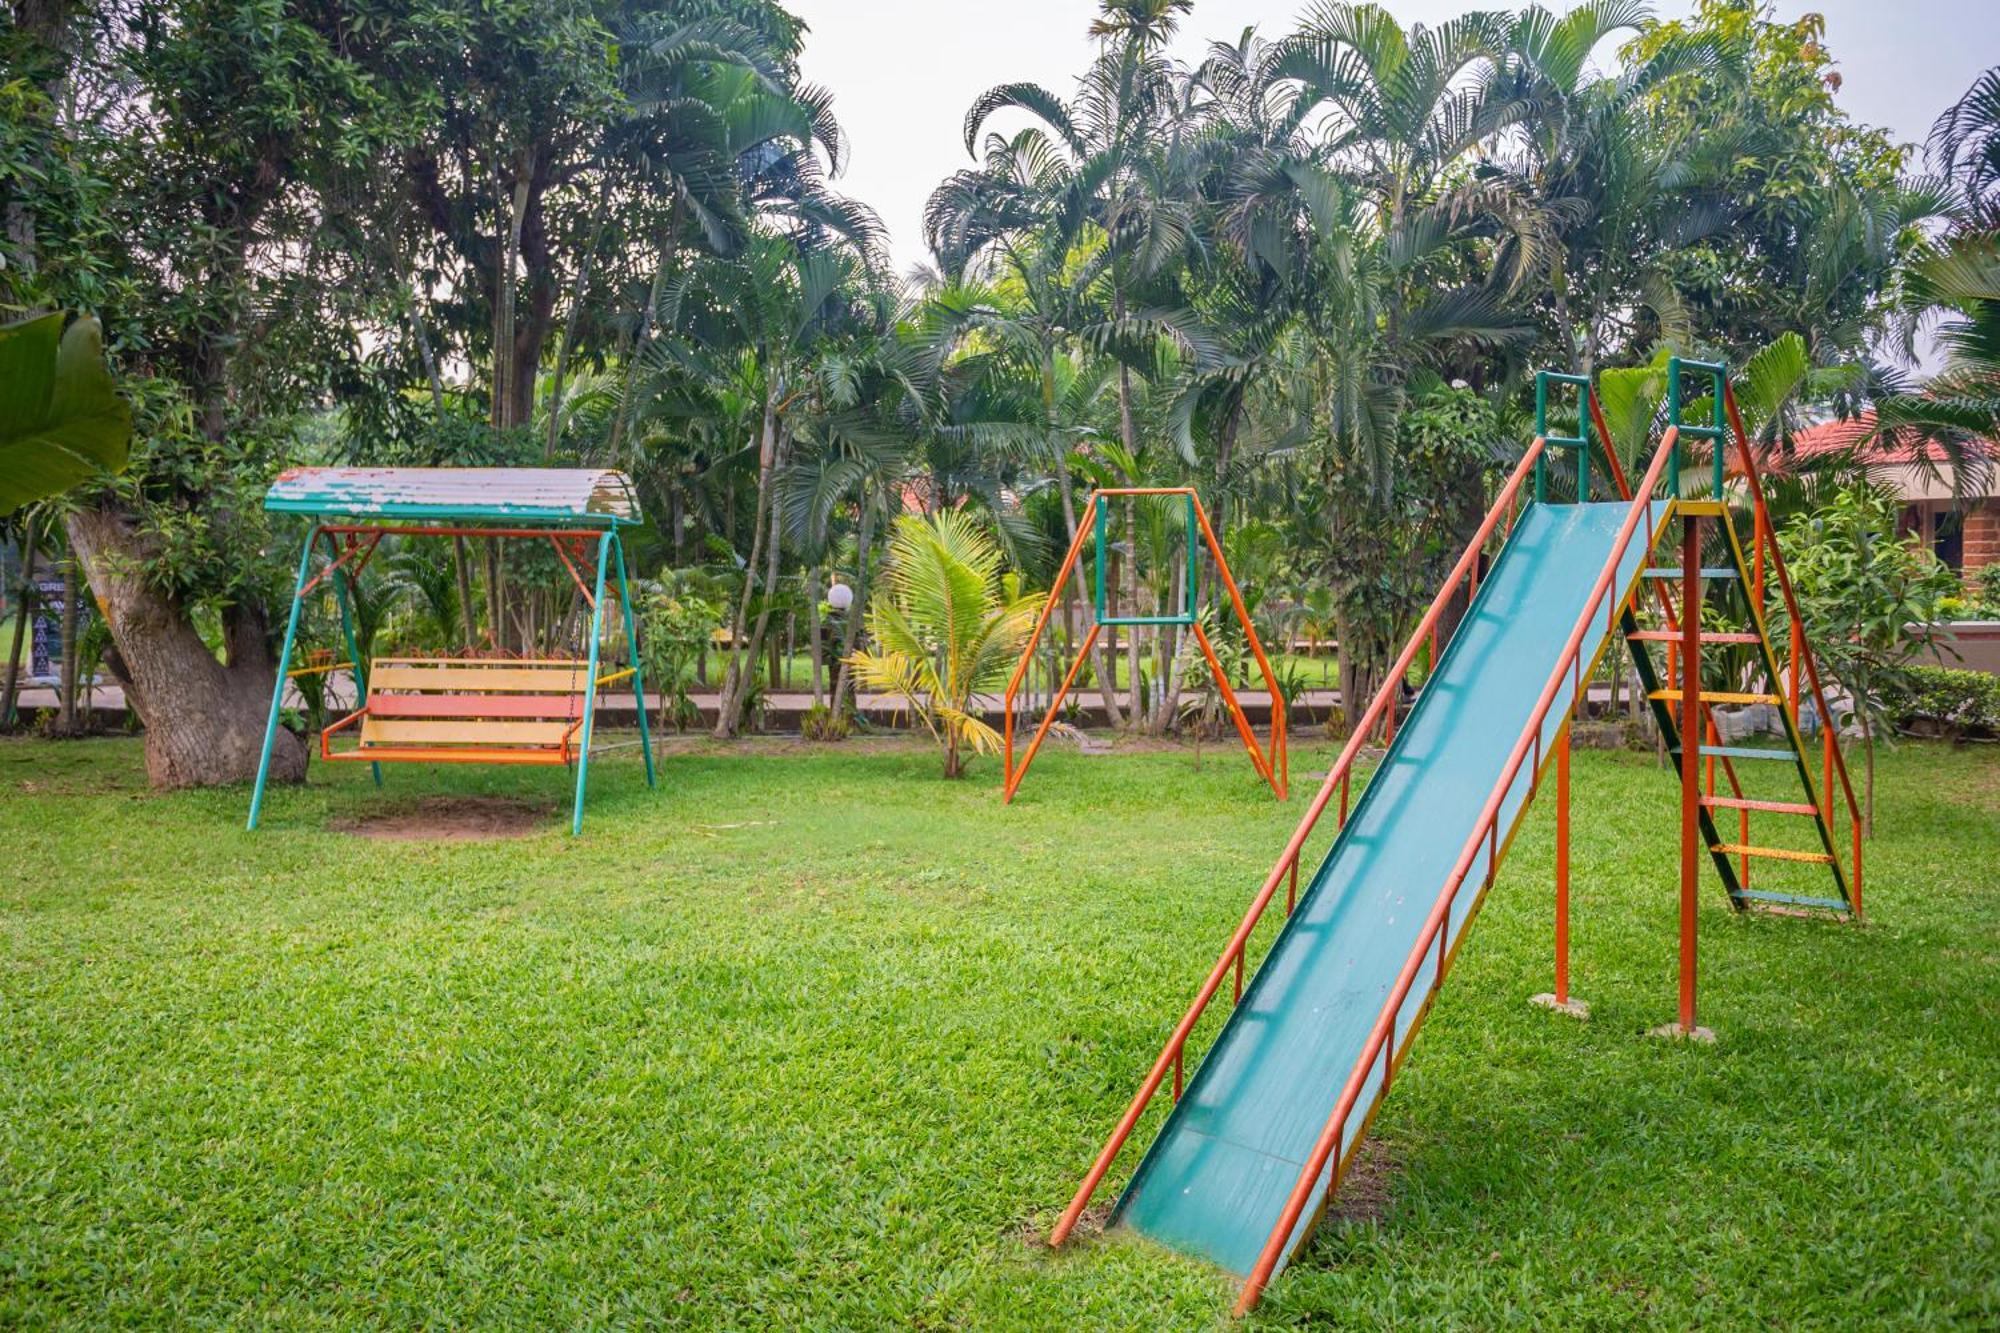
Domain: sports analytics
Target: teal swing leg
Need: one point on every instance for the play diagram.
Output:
(590, 698)
(638, 675)
(278, 687)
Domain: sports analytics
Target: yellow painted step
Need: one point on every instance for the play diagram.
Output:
(1721, 697)
(1774, 853)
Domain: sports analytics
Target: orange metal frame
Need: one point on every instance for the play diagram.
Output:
(1274, 768)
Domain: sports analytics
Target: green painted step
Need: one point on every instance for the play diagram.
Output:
(1795, 900)
(1745, 752)
(1713, 572)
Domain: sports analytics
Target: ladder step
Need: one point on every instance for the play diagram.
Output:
(1674, 636)
(1746, 752)
(1774, 853)
(1708, 572)
(1795, 900)
(1768, 807)
(1720, 697)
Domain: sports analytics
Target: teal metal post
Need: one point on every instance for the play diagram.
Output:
(1674, 420)
(1583, 450)
(278, 689)
(590, 699)
(1101, 522)
(342, 595)
(638, 674)
(1193, 578)
(1542, 429)
(1716, 424)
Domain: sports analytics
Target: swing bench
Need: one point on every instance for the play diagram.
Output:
(466, 709)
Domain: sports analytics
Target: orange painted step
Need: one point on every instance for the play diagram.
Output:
(1721, 697)
(1770, 807)
(1674, 636)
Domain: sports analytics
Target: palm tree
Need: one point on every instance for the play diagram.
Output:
(1585, 152)
(944, 626)
(1022, 387)
(1961, 403)
(1094, 202)
(1964, 148)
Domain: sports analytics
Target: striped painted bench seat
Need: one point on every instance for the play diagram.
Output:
(467, 711)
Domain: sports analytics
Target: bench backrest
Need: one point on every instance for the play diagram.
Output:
(473, 702)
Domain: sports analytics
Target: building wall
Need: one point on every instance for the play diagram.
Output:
(1982, 537)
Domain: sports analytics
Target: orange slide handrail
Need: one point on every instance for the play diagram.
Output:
(1485, 832)
(1172, 1054)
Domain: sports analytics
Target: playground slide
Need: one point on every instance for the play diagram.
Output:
(1215, 1181)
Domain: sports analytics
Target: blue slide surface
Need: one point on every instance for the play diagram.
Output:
(1215, 1180)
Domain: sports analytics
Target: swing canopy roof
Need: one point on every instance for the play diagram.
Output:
(527, 496)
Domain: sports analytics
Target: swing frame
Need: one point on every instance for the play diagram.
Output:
(1273, 765)
(580, 512)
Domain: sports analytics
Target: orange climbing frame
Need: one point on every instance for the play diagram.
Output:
(1272, 766)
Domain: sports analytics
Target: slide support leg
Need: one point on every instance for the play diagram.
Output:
(1691, 732)
(1562, 866)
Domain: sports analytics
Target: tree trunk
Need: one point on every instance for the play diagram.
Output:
(1128, 436)
(850, 632)
(1868, 770)
(642, 335)
(812, 633)
(461, 564)
(496, 597)
(506, 353)
(1360, 673)
(742, 653)
(1107, 679)
(204, 718)
(23, 608)
(66, 724)
(1135, 643)
(578, 290)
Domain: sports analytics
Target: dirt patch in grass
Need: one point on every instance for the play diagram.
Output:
(1090, 1224)
(1368, 1186)
(451, 819)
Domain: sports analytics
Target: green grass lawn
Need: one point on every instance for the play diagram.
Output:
(810, 1039)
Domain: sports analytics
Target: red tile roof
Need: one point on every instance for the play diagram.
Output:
(1832, 437)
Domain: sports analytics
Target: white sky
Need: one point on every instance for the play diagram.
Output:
(903, 71)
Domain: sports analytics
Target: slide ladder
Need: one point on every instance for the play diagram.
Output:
(1257, 1139)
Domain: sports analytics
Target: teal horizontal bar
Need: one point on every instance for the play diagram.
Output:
(1701, 432)
(1712, 572)
(1794, 900)
(1709, 367)
(1747, 752)
(1145, 620)
(1558, 377)
(1565, 442)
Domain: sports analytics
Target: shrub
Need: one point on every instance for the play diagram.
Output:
(675, 630)
(821, 723)
(945, 625)
(1949, 702)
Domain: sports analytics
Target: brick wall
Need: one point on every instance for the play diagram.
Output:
(1982, 537)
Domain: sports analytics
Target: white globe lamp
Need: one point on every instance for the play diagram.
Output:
(840, 597)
